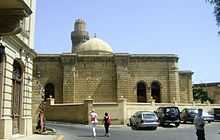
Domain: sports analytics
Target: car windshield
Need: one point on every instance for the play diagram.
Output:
(192, 110)
(149, 116)
(172, 110)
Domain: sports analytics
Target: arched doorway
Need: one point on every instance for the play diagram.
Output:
(49, 91)
(141, 92)
(155, 91)
(16, 95)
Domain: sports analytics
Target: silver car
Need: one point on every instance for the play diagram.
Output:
(144, 119)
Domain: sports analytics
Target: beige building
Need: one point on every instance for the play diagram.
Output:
(213, 90)
(17, 18)
(93, 70)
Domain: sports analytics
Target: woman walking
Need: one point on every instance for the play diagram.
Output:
(107, 123)
(94, 121)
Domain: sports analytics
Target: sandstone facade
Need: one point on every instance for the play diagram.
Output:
(93, 70)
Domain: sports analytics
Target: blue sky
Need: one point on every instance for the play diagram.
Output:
(183, 27)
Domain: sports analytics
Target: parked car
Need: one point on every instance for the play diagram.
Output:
(208, 117)
(168, 115)
(144, 119)
(215, 112)
(188, 114)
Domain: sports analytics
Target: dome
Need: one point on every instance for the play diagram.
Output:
(94, 46)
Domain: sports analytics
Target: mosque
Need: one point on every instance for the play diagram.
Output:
(93, 70)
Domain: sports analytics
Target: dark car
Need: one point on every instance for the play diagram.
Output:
(188, 114)
(216, 113)
(144, 119)
(168, 115)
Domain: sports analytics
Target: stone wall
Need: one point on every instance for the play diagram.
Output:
(214, 93)
(95, 77)
(119, 111)
(106, 78)
(18, 51)
(185, 83)
(148, 70)
(48, 70)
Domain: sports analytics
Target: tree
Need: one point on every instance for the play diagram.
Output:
(216, 4)
(200, 94)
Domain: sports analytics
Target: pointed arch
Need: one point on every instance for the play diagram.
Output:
(141, 92)
(155, 91)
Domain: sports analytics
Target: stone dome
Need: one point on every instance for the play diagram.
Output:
(94, 46)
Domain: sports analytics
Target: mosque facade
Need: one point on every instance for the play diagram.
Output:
(93, 70)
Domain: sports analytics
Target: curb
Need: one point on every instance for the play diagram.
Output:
(59, 137)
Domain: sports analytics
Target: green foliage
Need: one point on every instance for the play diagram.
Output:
(201, 94)
(216, 4)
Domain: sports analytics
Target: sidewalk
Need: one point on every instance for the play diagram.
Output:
(38, 137)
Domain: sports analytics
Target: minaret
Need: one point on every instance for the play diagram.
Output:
(79, 35)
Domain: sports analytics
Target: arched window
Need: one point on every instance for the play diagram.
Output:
(49, 91)
(141, 92)
(155, 91)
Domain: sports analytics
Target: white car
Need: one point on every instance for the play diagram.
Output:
(207, 117)
(144, 119)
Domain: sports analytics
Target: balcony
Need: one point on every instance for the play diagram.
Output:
(12, 12)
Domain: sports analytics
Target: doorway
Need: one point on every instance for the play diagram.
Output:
(155, 91)
(49, 91)
(141, 92)
(16, 96)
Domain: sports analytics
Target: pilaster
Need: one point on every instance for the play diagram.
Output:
(88, 103)
(68, 78)
(5, 128)
(122, 103)
(121, 61)
(173, 80)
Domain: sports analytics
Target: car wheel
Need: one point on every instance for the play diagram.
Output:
(154, 128)
(209, 121)
(177, 124)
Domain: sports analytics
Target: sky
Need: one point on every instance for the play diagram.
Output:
(183, 27)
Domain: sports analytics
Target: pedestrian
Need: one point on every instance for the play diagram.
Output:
(41, 121)
(107, 123)
(94, 121)
(199, 125)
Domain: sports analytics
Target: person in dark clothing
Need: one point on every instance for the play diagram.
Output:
(107, 123)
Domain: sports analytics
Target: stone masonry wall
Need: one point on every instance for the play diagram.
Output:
(50, 71)
(149, 70)
(95, 77)
(185, 82)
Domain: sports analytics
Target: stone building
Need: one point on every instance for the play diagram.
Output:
(17, 18)
(93, 70)
(213, 90)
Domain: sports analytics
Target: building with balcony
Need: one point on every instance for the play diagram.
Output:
(17, 19)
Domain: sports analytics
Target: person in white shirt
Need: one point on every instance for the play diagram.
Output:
(94, 121)
(199, 125)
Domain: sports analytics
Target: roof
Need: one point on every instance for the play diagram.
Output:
(94, 46)
(213, 84)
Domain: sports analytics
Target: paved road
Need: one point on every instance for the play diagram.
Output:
(184, 132)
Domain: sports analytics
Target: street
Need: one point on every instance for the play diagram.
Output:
(183, 132)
